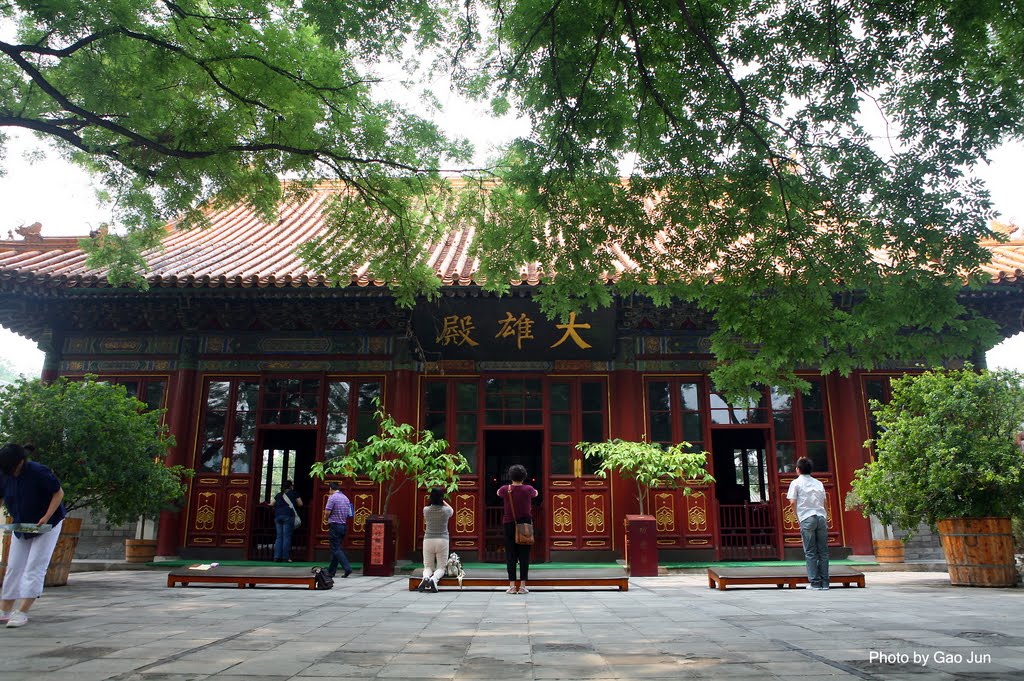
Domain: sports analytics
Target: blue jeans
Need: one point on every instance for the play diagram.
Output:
(814, 533)
(283, 545)
(336, 535)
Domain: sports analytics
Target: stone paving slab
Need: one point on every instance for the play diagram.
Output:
(128, 626)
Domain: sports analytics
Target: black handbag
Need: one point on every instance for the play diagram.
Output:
(322, 580)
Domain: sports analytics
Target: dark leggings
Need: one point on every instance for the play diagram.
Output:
(516, 553)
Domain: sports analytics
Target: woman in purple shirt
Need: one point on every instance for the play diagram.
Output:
(518, 509)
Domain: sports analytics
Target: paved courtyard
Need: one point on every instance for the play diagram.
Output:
(129, 626)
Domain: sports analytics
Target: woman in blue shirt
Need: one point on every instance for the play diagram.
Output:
(285, 513)
(32, 495)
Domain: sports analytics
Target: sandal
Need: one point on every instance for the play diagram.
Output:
(511, 590)
(523, 590)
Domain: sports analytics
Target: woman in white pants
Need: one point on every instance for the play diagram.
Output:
(435, 540)
(32, 495)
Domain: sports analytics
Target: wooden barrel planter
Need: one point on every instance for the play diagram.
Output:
(60, 561)
(979, 551)
(139, 550)
(888, 550)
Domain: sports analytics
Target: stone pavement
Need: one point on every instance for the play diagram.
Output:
(129, 626)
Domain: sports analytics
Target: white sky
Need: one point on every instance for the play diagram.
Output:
(60, 196)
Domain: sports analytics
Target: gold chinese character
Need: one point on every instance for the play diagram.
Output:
(570, 331)
(521, 328)
(456, 330)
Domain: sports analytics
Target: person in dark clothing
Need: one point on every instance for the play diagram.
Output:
(33, 496)
(286, 505)
(518, 509)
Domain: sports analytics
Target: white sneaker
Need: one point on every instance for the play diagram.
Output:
(17, 619)
(4, 616)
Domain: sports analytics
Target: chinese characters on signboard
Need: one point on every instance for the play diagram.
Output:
(512, 329)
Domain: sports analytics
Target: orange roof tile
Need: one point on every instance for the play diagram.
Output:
(240, 250)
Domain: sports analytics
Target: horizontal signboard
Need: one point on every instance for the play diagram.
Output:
(511, 329)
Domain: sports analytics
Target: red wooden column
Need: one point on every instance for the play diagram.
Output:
(627, 422)
(403, 404)
(848, 436)
(182, 408)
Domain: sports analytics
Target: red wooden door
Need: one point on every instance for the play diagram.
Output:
(578, 505)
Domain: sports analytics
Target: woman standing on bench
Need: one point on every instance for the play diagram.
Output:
(286, 519)
(518, 509)
(435, 540)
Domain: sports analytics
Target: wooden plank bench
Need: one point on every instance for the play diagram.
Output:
(242, 576)
(620, 583)
(722, 577)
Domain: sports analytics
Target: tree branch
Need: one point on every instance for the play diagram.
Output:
(645, 75)
(744, 107)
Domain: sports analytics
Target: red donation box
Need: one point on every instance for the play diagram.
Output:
(379, 551)
(641, 546)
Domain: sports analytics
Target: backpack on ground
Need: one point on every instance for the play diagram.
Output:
(322, 580)
(454, 568)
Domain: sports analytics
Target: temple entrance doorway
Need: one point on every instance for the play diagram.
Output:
(285, 454)
(746, 507)
(502, 449)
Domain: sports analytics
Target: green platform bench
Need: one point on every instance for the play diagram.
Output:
(722, 577)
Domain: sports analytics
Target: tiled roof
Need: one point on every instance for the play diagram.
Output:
(240, 250)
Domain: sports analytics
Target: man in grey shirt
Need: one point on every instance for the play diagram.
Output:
(435, 540)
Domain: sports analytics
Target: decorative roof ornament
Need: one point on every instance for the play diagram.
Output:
(33, 232)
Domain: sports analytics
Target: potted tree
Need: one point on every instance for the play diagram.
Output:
(887, 548)
(396, 455)
(945, 455)
(648, 465)
(102, 444)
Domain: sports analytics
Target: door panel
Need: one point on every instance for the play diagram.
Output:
(747, 498)
(579, 515)
(502, 449)
(219, 515)
(283, 454)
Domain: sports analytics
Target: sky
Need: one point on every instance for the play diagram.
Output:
(39, 186)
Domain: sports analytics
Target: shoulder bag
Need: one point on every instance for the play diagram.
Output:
(287, 500)
(524, 531)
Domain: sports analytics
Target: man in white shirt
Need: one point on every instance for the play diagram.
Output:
(808, 498)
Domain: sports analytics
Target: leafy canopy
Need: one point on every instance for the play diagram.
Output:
(103, 446)
(649, 465)
(946, 449)
(8, 372)
(396, 455)
(715, 141)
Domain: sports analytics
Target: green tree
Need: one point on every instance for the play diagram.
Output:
(102, 444)
(649, 465)
(8, 372)
(739, 125)
(177, 103)
(396, 455)
(946, 449)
